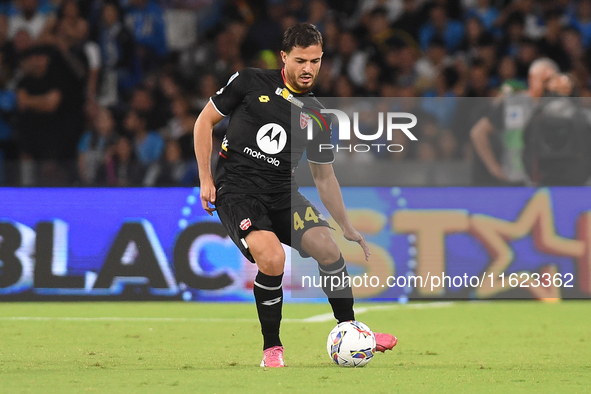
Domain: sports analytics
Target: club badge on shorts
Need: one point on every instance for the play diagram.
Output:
(304, 119)
(245, 224)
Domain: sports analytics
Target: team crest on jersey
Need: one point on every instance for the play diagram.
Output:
(288, 96)
(245, 224)
(304, 119)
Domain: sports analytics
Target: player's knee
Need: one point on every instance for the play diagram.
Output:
(271, 261)
(319, 243)
(328, 253)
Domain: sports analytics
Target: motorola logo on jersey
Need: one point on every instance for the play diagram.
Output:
(271, 138)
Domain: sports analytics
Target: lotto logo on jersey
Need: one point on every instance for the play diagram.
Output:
(245, 224)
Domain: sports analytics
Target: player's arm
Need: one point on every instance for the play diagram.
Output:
(220, 104)
(330, 194)
(480, 135)
(203, 141)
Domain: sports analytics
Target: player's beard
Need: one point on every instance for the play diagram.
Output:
(296, 80)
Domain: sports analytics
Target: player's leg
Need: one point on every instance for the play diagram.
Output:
(319, 243)
(269, 256)
(311, 235)
(248, 225)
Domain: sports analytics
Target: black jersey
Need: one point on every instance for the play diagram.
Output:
(267, 133)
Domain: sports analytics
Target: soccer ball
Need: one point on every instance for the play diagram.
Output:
(351, 344)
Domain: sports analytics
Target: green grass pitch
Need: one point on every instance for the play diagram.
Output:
(180, 347)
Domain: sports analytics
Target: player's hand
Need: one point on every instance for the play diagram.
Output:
(353, 235)
(208, 197)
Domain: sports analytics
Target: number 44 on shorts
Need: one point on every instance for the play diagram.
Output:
(298, 223)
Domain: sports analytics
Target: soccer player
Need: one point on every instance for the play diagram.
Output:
(253, 192)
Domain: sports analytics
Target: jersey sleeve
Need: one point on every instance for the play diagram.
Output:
(319, 149)
(231, 95)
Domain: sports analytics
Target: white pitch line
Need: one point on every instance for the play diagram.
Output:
(128, 319)
(312, 319)
(329, 316)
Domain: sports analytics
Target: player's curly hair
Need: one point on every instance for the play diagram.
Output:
(301, 35)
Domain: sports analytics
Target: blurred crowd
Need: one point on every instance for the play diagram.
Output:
(105, 92)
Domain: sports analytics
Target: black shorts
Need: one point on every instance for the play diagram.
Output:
(288, 215)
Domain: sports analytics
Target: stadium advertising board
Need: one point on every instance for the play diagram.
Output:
(461, 243)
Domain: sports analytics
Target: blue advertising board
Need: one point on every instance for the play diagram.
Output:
(144, 243)
(466, 243)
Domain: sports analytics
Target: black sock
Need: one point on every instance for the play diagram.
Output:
(268, 294)
(341, 299)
